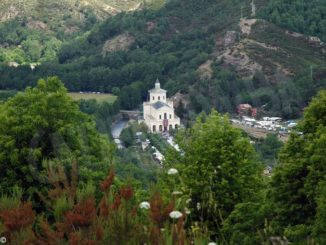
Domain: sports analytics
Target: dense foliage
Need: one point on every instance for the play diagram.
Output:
(171, 43)
(306, 17)
(6, 94)
(51, 148)
(41, 124)
(127, 137)
(211, 190)
(75, 217)
(269, 148)
(297, 186)
(219, 168)
(103, 112)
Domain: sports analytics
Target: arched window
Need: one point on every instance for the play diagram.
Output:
(165, 116)
(154, 128)
(160, 116)
(170, 116)
(176, 126)
(159, 98)
(161, 128)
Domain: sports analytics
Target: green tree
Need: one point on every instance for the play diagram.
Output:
(319, 231)
(43, 123)
(301, 170)
(246, 223)
(33, 49)
(52, 46)
(269, 148)
(127, 137)
(219, 167)
(301, 16)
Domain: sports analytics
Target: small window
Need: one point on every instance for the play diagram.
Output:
(160, 116)
(159, 98)
(153, 97)
(154, 128)
(176, 126)
(170, 116)
(161, 128)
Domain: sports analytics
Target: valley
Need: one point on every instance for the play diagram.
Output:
(162, 122)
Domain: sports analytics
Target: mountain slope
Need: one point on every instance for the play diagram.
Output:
(39, 9)
(44, 24)
(200, 48)
(307, 17)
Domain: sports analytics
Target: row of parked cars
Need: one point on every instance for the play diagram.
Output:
(274, 124)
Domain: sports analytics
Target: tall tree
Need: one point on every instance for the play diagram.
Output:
(219, 167)
(301, 170)
(43, 123)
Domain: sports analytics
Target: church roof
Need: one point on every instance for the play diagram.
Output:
(159, 104)
(157, 88)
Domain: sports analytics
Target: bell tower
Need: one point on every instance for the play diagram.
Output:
(157, 94)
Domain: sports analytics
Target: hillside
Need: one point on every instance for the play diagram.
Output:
(33, 30)
(38, 10)
(200, 48)
(307, 17)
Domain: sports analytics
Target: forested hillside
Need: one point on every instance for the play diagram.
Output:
(199, 48)
(306, 17)
(33, 31)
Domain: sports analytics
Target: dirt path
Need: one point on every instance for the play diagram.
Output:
(245, 25)
(253, 8)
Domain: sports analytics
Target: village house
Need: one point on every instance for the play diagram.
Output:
(158, 112)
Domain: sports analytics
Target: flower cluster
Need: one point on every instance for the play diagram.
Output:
(173, 171)
(175, 215)
(144, 205)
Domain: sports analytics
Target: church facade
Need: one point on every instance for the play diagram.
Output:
(158, 112)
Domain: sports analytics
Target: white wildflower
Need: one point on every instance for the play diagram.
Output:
(188, 200)
(198, 206)
(175, 193)
(212, 243)
(144, 205)
(175, 215)
(187, 211)
(172, 171)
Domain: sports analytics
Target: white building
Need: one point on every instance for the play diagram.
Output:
(159, 113)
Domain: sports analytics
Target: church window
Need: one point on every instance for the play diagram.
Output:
(176, 126)
(160, 127)
(165, 116)
(154, 128)
(170, 127)
(170, 116)
(159, 98)
(160, 116)
(153, 98)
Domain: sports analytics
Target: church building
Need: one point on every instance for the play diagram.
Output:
(159, 113)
